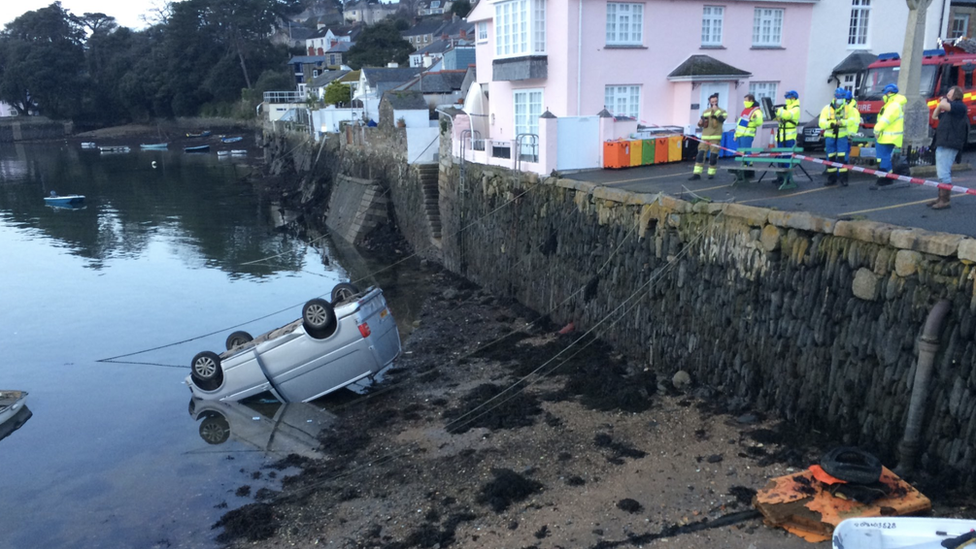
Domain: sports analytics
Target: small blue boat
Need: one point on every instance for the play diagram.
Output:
(231, 139)
(67, 200)
(154, 146)
(197, 149)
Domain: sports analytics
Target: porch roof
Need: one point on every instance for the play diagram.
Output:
(702, 68)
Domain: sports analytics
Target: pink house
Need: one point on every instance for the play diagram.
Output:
(601, 67)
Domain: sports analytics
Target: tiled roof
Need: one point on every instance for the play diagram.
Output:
(403, 100)
(855, 62)
(438, 82)
(387, 75)
(426, 26)
(327, 77)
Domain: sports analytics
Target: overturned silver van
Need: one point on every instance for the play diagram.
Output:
(334, 344)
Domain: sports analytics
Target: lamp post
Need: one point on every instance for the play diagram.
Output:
(910, 77)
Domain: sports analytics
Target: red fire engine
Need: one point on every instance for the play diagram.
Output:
(941, 69)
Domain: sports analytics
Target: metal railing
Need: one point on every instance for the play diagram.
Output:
(284, 97)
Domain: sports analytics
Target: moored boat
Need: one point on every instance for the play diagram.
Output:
(118, 149)
(201, 134)
(88, 145)
(197, 149)
(67, 200)
(154, 146)
(903, 532)
(10, 403)
(223, 153)
(231, 139)
(238, 152)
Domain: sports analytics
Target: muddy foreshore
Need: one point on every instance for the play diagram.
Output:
(494, 429)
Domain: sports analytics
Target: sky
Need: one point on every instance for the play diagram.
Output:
(127, 13)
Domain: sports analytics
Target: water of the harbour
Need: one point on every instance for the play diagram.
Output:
(111, 456)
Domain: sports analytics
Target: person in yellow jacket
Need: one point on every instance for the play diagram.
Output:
(788, 117)
(711, 124)
(838, 120)
(750, 119)
(889, 130)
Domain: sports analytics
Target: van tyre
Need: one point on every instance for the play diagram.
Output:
(206, 372)
(214, 429)
(343, 291)
(318, 318)
(237, 338)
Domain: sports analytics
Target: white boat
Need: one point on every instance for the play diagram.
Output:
(122, 149)
(239, 152)
(88, 145)
(154, 146)
(223, 153)
(902, 533)
(10, 403)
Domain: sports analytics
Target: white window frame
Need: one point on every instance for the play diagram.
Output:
(526, 112)
(625, 24)
(763, 89)
(954, 31)
(858, 33)
(623, 100)
(520, 28)
(712, 22)
(767, 27)
(848, 81)
(482, 32)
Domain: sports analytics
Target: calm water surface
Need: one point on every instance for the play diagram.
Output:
(111, 456)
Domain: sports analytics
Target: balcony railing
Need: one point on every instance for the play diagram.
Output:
(284, 97)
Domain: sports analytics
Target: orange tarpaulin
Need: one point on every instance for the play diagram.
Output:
(803, 505)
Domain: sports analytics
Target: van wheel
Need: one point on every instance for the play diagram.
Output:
(206, 367)
(343, 291)
(238, 338)
(318, 318)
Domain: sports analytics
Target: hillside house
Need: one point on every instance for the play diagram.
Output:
(423, 33)
(373, 82)
(434, 7)
(438, 88)
(367, 12)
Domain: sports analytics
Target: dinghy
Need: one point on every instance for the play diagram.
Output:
(903, 533)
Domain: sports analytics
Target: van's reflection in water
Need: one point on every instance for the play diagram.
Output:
(262, 423)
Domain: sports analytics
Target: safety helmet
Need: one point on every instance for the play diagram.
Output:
(850, 95)
(840, 93)
(890, 88)
(792, 95)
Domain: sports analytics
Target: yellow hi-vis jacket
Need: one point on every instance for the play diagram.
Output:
(844, 116)
(750, 119)
(890, 128)
(789, 117)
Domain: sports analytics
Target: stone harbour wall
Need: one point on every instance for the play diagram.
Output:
(811, 318)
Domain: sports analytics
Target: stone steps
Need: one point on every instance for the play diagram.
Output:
(429, 175)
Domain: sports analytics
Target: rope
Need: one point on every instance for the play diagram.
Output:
(518, 386)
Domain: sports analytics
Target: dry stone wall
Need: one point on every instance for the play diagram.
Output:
(812, 318)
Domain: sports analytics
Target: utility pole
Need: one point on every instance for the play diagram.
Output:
(910, 76)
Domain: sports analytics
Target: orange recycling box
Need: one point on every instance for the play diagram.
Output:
(660, 150)
(674, 148)
(616, 154)
(636, 147)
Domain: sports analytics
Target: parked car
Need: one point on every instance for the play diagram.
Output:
(332, 345)
(810, 136)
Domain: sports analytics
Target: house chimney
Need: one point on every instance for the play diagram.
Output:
(311, 50)
(444, 36)
(463, 34)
